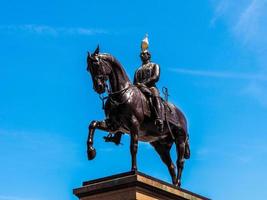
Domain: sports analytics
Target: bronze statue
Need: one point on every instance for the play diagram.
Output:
(128, 110)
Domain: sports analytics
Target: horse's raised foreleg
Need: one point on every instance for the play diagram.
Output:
(180, 148)
(134, 129)
(163, 149)
(91, 152)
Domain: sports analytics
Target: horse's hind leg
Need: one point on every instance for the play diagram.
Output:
(163, 150)
(180, 148)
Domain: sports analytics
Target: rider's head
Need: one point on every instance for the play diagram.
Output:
(145, 56)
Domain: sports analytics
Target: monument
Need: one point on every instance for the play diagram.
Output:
(138, 110)
(132, 186)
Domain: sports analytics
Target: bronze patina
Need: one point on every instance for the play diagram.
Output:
(138, 110)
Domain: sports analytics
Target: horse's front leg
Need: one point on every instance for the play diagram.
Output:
(134, 142)
(91, 152)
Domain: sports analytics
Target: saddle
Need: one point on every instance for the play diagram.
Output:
(168, 110)
(170, 113)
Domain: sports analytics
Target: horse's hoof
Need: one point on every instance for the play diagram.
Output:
(174, 182)
(91, 153)
(178, 184)
(134, 169)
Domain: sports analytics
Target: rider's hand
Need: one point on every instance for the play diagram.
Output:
(138, 85)
(141, 85)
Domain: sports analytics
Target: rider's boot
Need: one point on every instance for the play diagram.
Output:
(158, 120)
(116, 138)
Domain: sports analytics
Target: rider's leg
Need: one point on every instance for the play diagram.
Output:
(157, 106)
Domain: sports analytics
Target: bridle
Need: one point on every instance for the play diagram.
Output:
(104, 75)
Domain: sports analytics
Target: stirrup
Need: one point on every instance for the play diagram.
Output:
(113, 138)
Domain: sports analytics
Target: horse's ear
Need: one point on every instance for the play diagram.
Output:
(88, 56)
(96, 50)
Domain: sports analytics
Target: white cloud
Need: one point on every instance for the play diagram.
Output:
(247, 21)
(50, 30)
(251, 24)
(219, 74)
(220, 10)
(242, 151)
(5, 197)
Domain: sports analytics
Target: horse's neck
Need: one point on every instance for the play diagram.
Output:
(118, 78)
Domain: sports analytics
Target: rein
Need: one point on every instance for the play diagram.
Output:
(166, 94)
(102, 98)
(115, 102)
(120, 92)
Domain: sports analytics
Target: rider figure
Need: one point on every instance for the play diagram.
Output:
(145, 79)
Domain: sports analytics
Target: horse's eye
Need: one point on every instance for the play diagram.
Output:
(101, 77)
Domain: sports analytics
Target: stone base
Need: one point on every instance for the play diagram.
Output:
(132, 186)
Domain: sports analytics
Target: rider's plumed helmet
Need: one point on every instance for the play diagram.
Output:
(145, 54)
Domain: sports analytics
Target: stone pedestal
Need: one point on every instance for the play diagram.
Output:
(132, 186)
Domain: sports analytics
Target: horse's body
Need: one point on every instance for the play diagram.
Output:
(148, 131)
(127, 110)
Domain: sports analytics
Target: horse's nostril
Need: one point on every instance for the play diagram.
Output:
(100, 89)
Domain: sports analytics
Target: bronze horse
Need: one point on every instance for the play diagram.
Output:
(127, 111)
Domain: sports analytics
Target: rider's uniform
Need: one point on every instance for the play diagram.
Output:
(145, 78)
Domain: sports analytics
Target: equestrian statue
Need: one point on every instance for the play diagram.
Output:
(138, 110)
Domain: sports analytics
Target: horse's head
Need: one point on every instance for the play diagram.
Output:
(99, 68)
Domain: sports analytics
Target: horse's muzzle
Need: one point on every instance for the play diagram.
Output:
(100, 89)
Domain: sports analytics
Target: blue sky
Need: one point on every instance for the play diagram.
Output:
(213, 58)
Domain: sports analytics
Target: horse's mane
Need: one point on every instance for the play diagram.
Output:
(110, 58)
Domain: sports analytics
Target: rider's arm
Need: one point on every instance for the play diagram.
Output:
(155, 75)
